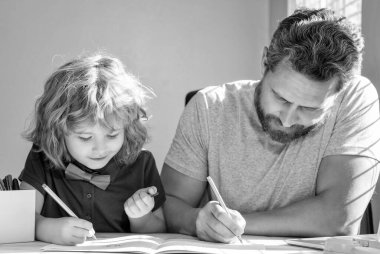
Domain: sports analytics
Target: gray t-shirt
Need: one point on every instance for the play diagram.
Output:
(219, 135)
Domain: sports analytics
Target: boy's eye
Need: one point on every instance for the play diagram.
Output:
(113, 135)
(84, 138)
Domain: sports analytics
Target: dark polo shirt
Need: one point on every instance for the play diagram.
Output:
(104, 208)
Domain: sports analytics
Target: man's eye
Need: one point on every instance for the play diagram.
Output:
(310, 109)
(85, 138)
(282, 99)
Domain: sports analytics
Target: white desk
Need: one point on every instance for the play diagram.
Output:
(273, 245)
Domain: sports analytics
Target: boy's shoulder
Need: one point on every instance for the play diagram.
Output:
(145, 155)
(145, 152)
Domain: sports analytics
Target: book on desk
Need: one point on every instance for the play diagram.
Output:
(156, 244)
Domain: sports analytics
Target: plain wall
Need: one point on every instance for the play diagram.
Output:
(173, 46)
(371, 69)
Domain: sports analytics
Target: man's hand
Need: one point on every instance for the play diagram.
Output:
(69, 230)
(141, 203)
(214, 224)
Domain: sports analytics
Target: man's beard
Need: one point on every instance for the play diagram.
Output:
(267, 122)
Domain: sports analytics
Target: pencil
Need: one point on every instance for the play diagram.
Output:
(221, 202)
(64, 206)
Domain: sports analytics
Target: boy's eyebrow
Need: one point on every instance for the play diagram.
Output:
(81, 132)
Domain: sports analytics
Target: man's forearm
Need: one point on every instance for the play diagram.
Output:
(307, 218)
(180, 217)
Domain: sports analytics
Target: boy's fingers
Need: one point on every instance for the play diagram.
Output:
(84, 224)
(131, 204)
(152, 190)
(141, 200)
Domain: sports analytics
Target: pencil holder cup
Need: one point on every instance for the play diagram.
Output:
(17, 216)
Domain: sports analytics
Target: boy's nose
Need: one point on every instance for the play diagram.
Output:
(99, 147)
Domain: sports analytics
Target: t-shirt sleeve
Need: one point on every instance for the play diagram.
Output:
(188, 151)
(33, 172)
(152, 178)
(357, 127)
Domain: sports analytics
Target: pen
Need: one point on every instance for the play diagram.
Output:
(221, 202)
(64, 206)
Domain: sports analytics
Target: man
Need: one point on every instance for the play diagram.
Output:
(294, 154)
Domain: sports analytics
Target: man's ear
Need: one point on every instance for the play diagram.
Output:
(264, 61)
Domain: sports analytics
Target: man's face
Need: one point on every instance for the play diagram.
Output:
(290, 105)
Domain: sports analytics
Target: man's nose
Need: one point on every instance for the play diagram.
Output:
(289, 116)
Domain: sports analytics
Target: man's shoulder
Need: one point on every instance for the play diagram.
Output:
(234, 86)
(360, 84)
(227, 92)
(359, 90)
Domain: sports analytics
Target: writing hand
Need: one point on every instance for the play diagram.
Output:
(214, 224)
(141, 202)
(69, 230)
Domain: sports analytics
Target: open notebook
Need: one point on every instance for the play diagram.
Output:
(152, 244)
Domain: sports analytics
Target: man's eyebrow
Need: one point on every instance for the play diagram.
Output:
(279, 96)
(306, 107)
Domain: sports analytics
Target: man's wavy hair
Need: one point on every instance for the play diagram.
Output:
(90, 88)
(317, 44)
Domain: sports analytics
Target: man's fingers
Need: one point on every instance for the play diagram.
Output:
(230, 225)
(218, 231)
(209, 227)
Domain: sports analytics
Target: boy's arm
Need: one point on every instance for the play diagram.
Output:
(66, 230)
(153, 222)
(139, 207)
(41, 225)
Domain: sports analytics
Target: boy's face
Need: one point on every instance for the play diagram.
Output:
(94, 145)
(290, 104)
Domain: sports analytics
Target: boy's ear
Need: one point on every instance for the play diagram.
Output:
(264, 61)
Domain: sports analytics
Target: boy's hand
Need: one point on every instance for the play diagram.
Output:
(70, 230)
(141, 203)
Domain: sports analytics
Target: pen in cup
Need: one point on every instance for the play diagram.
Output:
(64, 206)
(221, 202)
